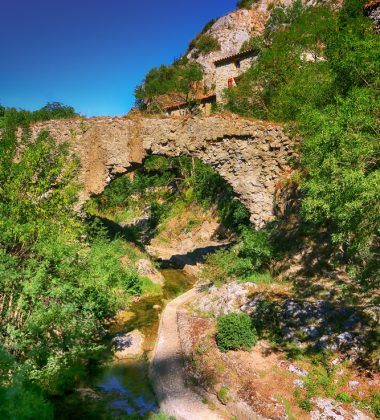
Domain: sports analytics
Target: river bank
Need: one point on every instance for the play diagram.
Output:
(167, 372)
(116, 387)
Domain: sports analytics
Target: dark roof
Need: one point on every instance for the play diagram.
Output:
(233, 57)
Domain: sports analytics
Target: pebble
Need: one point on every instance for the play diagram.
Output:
(299, 383)
(353, 384)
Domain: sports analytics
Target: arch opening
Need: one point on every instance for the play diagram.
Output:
(161, 188)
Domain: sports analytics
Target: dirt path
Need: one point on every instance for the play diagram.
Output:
(167, 373)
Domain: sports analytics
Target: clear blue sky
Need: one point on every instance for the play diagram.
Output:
(92, 53)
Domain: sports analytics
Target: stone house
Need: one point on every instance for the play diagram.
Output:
(227, 73)
(229, 69)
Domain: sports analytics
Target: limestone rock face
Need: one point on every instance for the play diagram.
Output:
(231, 31)
(251, 155)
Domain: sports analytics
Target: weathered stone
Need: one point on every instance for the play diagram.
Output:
(353, 384)
(328, 409)
(299, 383)
(147, 269)
(225, 299)
(110, 146)
(128, 345)
(296, 370)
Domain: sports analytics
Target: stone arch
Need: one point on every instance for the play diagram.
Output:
(250, 155)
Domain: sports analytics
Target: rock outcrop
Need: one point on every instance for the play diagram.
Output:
(129, 345)
(251, 155)
(231, 31)
(147, 269)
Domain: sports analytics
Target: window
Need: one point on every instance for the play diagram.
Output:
(237, 64)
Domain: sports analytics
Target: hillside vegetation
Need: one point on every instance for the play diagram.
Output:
(318, 71)
(332, 102)
(60, 277)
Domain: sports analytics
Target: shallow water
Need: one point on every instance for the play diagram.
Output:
(123, 387)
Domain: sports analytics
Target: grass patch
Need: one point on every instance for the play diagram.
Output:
(223, 395)
(259, 278)
(150, 288)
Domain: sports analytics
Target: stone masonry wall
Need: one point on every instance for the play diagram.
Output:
(250, 155)
(225, 71)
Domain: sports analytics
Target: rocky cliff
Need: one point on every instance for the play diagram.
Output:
(232, 30)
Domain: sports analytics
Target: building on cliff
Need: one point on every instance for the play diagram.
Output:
(228, 71)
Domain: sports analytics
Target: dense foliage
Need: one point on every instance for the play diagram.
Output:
(245, 4)
(178, 82)
(204, 44)
(321, 73)
(171, 179)
(235, 331)
(52, 110)
(251, 255)
(56, 287)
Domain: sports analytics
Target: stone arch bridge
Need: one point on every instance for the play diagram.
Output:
(250, 155)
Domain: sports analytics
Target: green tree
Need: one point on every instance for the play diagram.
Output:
(178, 81)
(56, 288)
(245, 4)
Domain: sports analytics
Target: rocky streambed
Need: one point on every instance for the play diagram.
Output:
(120, 385)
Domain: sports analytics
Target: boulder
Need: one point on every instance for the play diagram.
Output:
(128, 345)
(147, 269)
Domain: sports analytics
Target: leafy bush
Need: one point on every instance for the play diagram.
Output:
(344, 397)
(255, 43)
(283, 16)
(223, 394)
(342, 184)
(245, 4)
(217, 267)
(177, 80)
(52, 110)
(235, 332)
(210, 188)
(255, 247)
(204, 44)
(57, 286)
(259, 278)
(19, 398)
(248, 257)
(333, 102)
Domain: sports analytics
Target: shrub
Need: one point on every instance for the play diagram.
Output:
(205, 44)
(245, 4)
(255, 247)
(222, 395)
(218, 266)
(344, 397)
(177, 80)
(234, 332)
(255, 43)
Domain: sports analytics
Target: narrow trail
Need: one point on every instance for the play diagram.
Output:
(166, 370)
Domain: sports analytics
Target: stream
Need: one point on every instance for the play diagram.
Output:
(121, 388)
